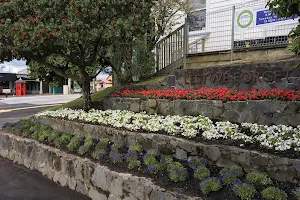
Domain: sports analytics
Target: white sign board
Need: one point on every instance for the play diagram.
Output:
(255, 18)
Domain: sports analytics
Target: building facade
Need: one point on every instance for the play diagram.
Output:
(214, 24)
(33, 86)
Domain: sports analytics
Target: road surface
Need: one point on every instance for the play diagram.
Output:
(14, 108)
(16, 181)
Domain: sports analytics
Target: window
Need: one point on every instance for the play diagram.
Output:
(197, 18)
(4, 84)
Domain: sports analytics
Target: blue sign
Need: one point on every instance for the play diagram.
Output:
(267, 17)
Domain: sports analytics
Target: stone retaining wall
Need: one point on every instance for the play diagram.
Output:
(267, 112)
(278, 168)
(81, 174)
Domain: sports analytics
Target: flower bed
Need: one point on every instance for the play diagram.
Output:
(195, 177)
(223, 94)
(278, 138)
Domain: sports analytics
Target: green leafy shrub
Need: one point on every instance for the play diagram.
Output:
(132, 156)
(230, 175)
(150, 160)
(132, 159)
(101, 149)
(117, 158)
(176, 172)
(52, 136)
(88, 143)
(75, 142)
(209, 185)
(273, 193)
(136, 147)
(20, 126)
(195, 161)
(244, 191)
(30, 131)
(115, 154)
(43, 135)
(257, 178)
(63, 140)
(165, 161)
(201, 172)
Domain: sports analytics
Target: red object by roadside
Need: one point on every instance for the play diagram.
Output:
(20, 88)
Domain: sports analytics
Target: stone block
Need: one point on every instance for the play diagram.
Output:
(181, 154)
(116, 186)
(95, 195)
(100, 178)
(213, 153)
(152, 103)
(82, 188)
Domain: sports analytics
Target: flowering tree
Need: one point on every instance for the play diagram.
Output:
(69, 37)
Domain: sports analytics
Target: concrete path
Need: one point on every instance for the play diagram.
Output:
(19, 183)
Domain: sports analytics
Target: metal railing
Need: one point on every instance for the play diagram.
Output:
(222, 34)
(170, 49)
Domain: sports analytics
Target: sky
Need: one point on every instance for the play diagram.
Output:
(14, 66)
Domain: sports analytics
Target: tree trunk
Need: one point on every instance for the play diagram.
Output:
(86, 92)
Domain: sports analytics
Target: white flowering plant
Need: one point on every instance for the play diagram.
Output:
(276, 137)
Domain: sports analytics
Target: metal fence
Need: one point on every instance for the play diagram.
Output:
(220, 33)
(171, 48)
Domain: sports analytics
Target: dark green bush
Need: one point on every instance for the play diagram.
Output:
(273, 193)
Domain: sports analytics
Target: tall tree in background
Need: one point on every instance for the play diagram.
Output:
(165, 15)
(288, 8)
(69, 37)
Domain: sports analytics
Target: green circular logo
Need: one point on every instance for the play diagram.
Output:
(245, 19)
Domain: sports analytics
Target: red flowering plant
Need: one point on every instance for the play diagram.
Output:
(221, 93)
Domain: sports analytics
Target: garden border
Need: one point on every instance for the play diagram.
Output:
(81, 174)
(265, 112)
(278, 168)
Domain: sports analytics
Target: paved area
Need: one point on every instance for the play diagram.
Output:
(19, 183)
(16, 181)
(14, 108)
(38, 100)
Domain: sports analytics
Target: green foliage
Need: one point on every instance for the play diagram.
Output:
(143, 60)
(285, 8)
(75, 142)
(297, 193)
(43, 135)
(230, 175)
(288, 8)
(132, 156)
(201, 172)
(136, 147)
(176, 172)
(257, 178)
(195, 162)
(52, 136)
(210, 185)
(244, 191)
(132, 159)
(101, 149)
(165, 161)
(63, 140)
(273, 193)
(86, 147)
(31, 130)
(150, 159)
